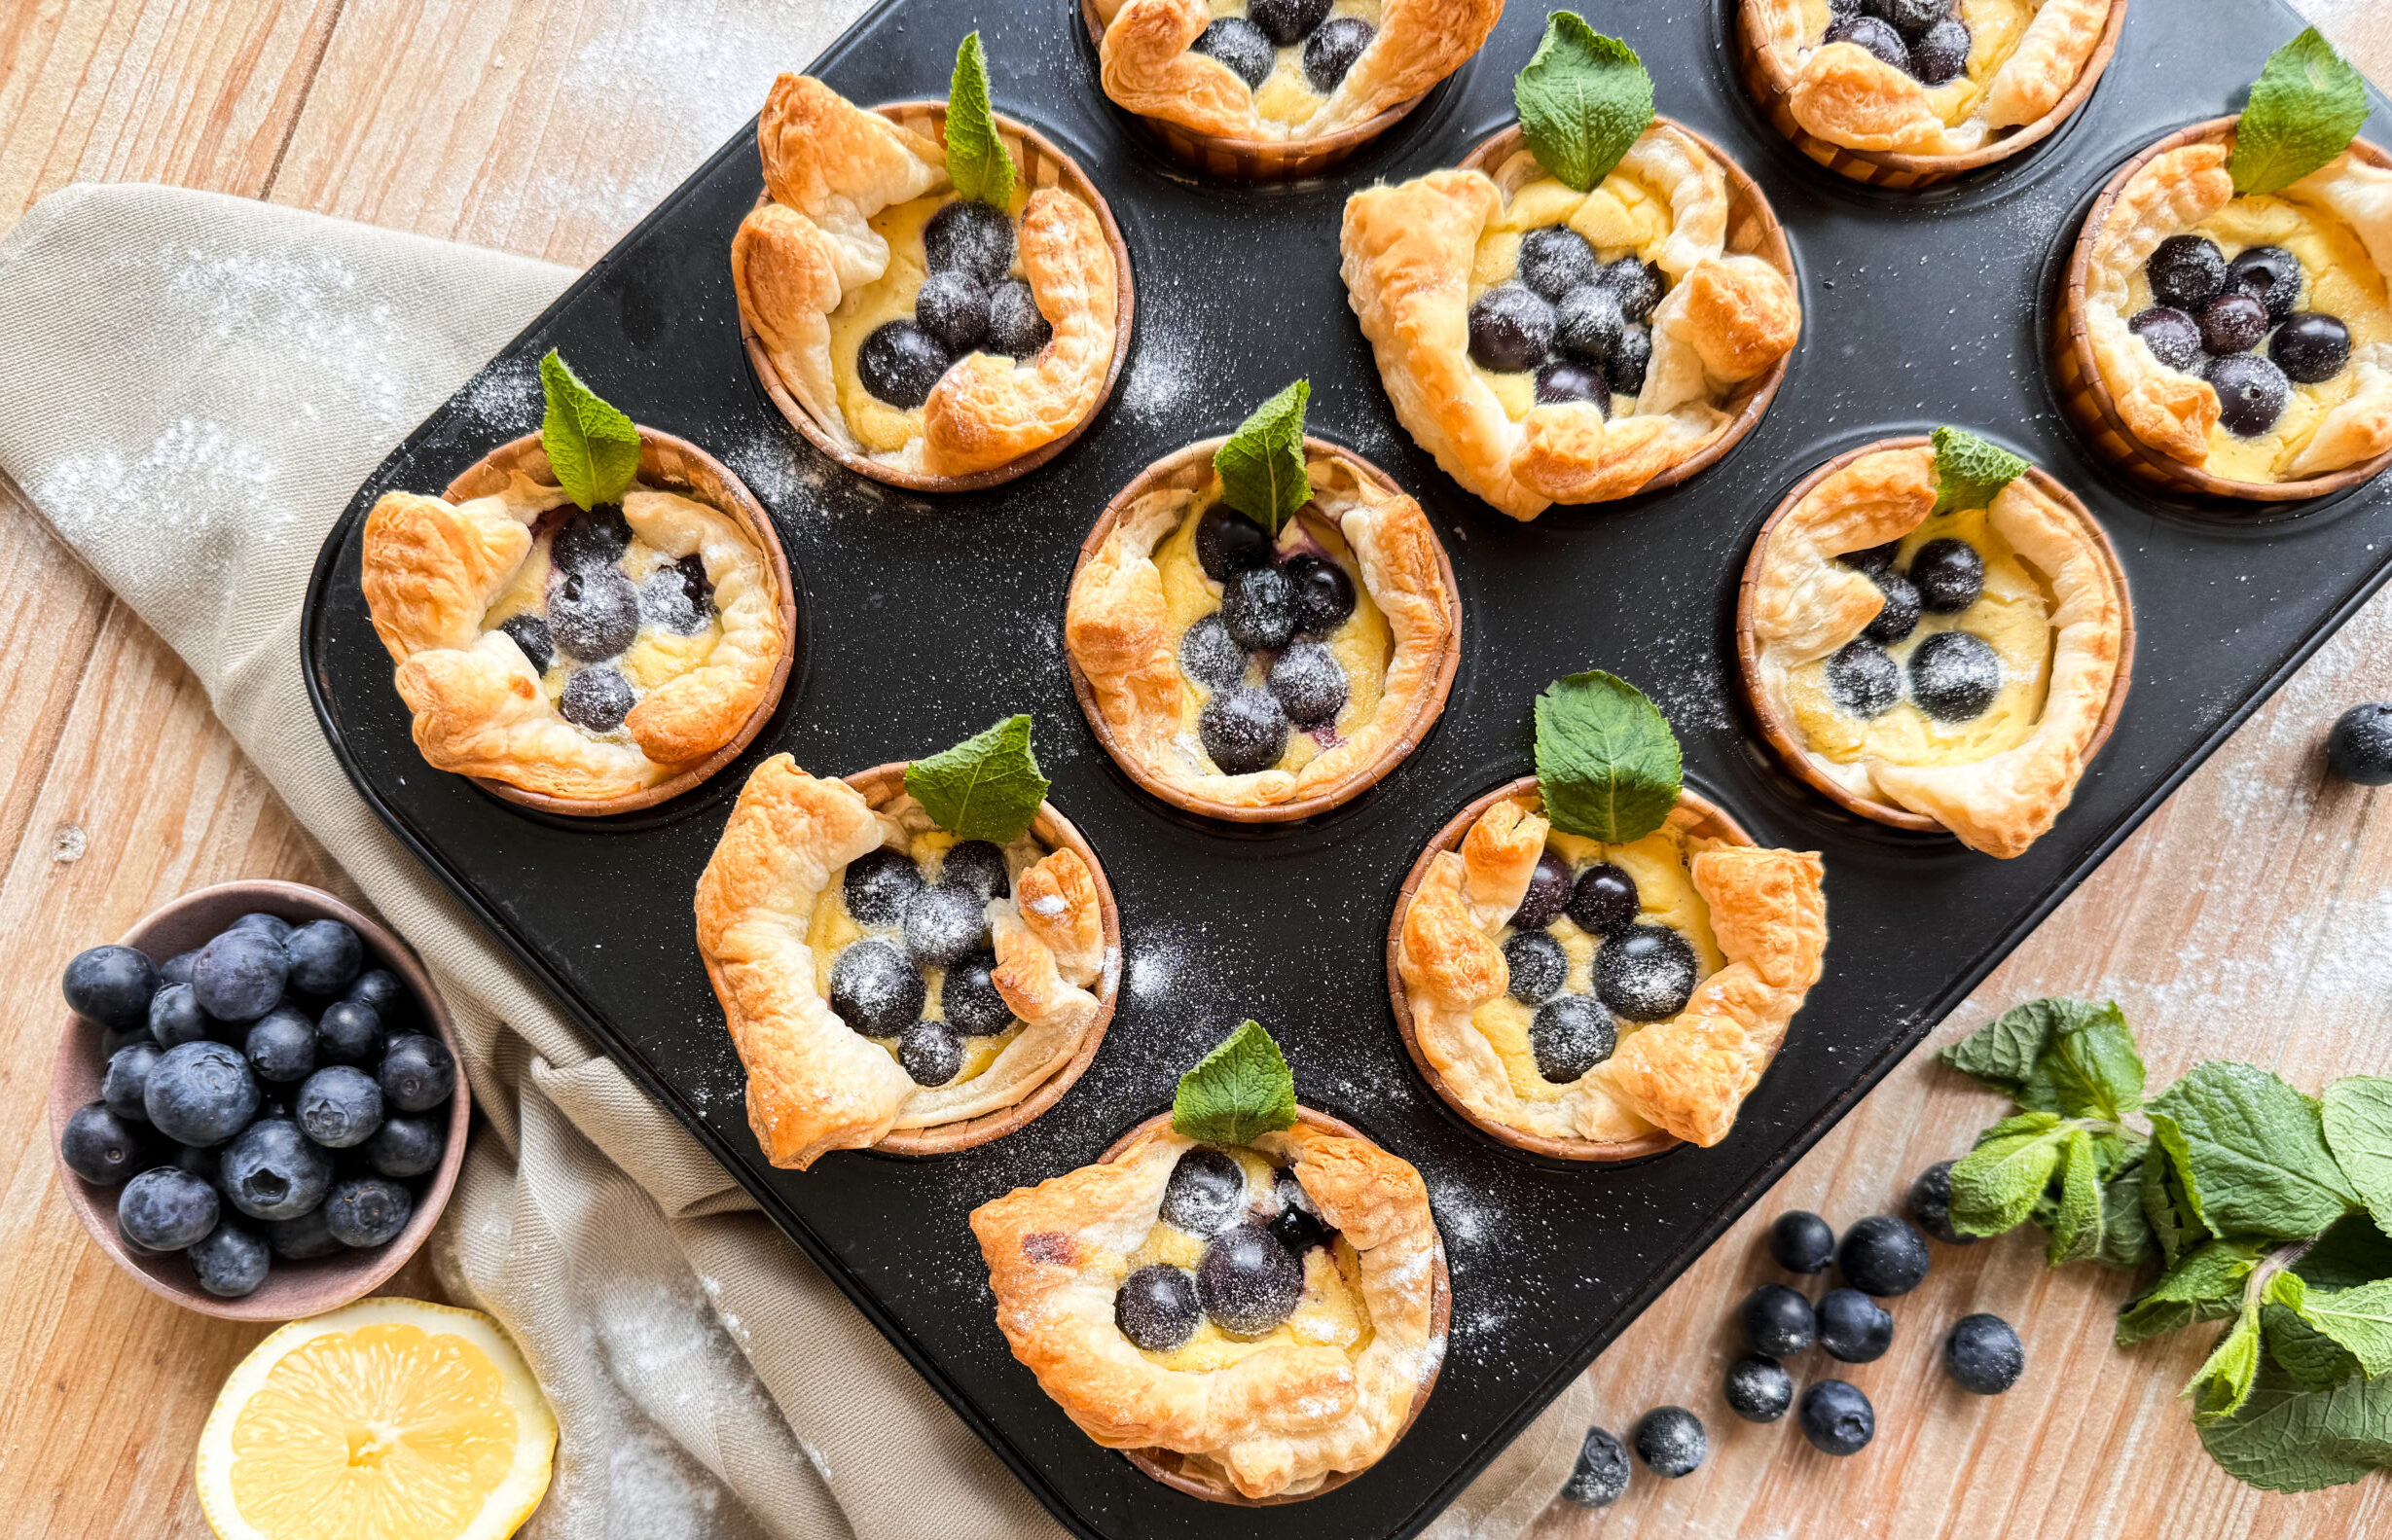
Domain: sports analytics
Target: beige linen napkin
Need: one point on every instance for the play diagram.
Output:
(191, 388)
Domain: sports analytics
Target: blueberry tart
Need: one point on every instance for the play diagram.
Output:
(897, 982)
(1246, 1297)
(935, 297)
(589, 649)
(1935, 634)
(1575, 337)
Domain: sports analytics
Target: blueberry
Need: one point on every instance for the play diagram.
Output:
(230, 1261)
(875, 990)
(1853, 1327)
(1310, 686)
(1899, 615)
(2233, 323)
(1863, 680)
(1669, 1441)
(2251, 393)
(1950, 575)
(1244, 730)
(1296, 1227)
(1539, 967)
(177, 968)
(1875, 561)
(1555, 260)
(1636, 285)
(1838, 1418)
(404, 1147)
(417, 1073)
(1601, 1476)
(1882, 1256)
(1331, 51)
(1569, 1036)
(1954, 675)
(379, 989)
(1778, 1321)
(879, 885)
(1259, 609)
(113, 1042)
(595, 699)
(1759, 1389)
(1645, 973)
(349, 1032)
(281, 1045)
(1801, 1241)
(952, 308)
(2270, 274)
(2359, 749)
(1931, 1204)
(1246, 1281)
(2173, 337)
(1910, 17)
(1983, 1355)
(274, 925)
(271, 1170)
(367, 1210)
(592, 613)
(100, 1146)
(2185, 272)
(325, 957)
(930, 1053)
(1604, 901)
(339, 1106)
(1229, 543)
(1324, 593)
(1210, 655)
(531, 638)
(899, 364)
(239, 976)
(1017, 328)
(678, 596)
(945, 925)
(1630, 359)
(200, 1093)
(1155, 1307)
(1206, 1192)
(1941, 51)
(1287, 22)
(1242, 46)
(166, 1209)
(1511, 329)
(304, 1238)
(976, 867)
(1588, 323)
(1873, 36)
(112, 985)
(971, 237)
(1548, 893)
(969, 1000)
(127, 1079)
(595, 537)
(2310, 348)
(1558, 384)
(203, 1162)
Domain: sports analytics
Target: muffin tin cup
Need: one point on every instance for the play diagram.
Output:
(1172, 1468)
(884, 783)
(1230, 160)
(1890, 169)
(1190, 469)
(2085, 397)
(1041, 165)
(681, 466)
(1715, 824)
(292, 1289)
(1786, 742)
(1752, 229)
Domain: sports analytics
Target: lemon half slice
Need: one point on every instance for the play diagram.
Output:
(387, 1419)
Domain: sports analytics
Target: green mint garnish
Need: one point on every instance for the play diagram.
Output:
(2204, 1285)
(987, 787)
(1262, 465)
(2305, 108)
(594, 448)
(1606, 763)
(1240, 1090)
(2357, 1115)
(1583, 99)
(976, 159)
(1969, 470)
(2252, 1152)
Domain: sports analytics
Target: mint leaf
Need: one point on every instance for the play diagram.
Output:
(2252, 1152)
(2308, 1357)
(1240, 1090)
(2305, 108)
(1583, 99)
(594, 448)
(2076, 1228)
(1262, 465)
(2359, 1319)
(2088, 1068)
(1969, 470)
(1606, 763)
(976, 160)
(2291, 1439)
(2170, 1206)
(2352, 1252)
(2206, 1285)
(2003, 1053)
(2219, 1386)
(2358, 1122)
(987, 787)
(2126, 1241)
(1995, 1186)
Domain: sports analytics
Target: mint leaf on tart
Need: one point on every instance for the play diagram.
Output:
(2253, 1153)
(987, 787)
(1583, 99)
(1262, 465)
(2305, 108)
(2357, 1115)
(592, 448)
(976, 160)
(1969, 470)
(1240, 1091)
(1606, 763)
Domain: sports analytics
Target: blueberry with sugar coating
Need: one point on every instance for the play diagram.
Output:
(349, 1032)
(1548, 893)
(971, 237)
(1308, 684)
(404, 1147)
(2359, 747)
(1571, 1035)
(1875, 561)
(1863, 680)
(2251, 393)
(592, 537)
(1259, 608)
(1630, 359)
(1245, 48)
(1873, 36)
(1778, 1321)
(877, 885)
(1671, 1442)
(1229, 543)
(112, 985)
(1297, 1227)
(595, 699)
(1287, 22)
(417, 1073)
(127, 1079)
(2270, 274)
(1910, 17)
(271, 1170)
(1941, 51)
(976, 867)
(280, 1046)
(1899, 616)
(200, 1093)
(1954, 676)
(1246, 1281)
(1759, 1389)
(1210, 655)
(2173, 337)
(1330, 52)
(1604, 901)
(899, 363)
(2185, 272)
(230, 1261)
(1243, 729)
(1601, 1475)
(1155, 1307)
(100, 1146)
(367, 1210)
(1983, 1355)
(1511, 329)
(969, 1000)
(166, 1209)
(531, 638)
(2233, 323)
(1539, 966)
(1635, 284)
(952, 308)
(944, 925)
(1555, 260)
(1801, 1241)
(2310, 348)
(339, 1106)
(677, 598)
(1882, 1255)
(325, 955)
(1645, 973)
(1558, 384)
(1017, 328)
(1948, 573)
(930, 1053)
(875, 990)
(1206, 1192)
(592, 613)
(1588, 323)
(1324, 593)
(1838, 1418)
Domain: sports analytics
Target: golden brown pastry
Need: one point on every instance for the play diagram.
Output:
(836, 257)
(1423, 257)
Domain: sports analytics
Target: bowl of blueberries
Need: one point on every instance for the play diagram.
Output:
(255, 1104)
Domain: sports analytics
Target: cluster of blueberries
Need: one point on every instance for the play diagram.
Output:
(1575, 319)
(1642, 972)
(1924, 39)
(2209, 314)
(1274, 612)
(1250, 43)
(267, 1072)
(878, 987)
(966, 305)
(1880, 1257)
(1251, 1274)
(1953, 675)
(594, 612)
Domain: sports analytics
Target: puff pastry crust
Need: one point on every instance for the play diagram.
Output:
(829, 166)
(431, 571)
(1807, 604)
(1408, 254)
(813, 1085)
(1686, 1075)
(1279, 1421)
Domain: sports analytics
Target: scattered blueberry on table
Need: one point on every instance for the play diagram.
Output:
(2359, 749)
(1838, 1418)
(1931, 1204)
(1802, 1242)
(1854, 1328)
(1759, 1389)
(1670, 1440)
(1778, 1321)
(1882, 1255)
(1983, 1355)
(1601, 1472)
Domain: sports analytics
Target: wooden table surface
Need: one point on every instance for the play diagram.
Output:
(2251, 917)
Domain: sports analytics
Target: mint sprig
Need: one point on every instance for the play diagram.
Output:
(1240, 1091)
(977, 162)
(2305, 107)
(987, 787)
(1582, 99)
(1969, 470)
(592, 448)
(1262, 465)
(1607, 764)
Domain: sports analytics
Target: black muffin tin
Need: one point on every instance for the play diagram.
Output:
(927, 618)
